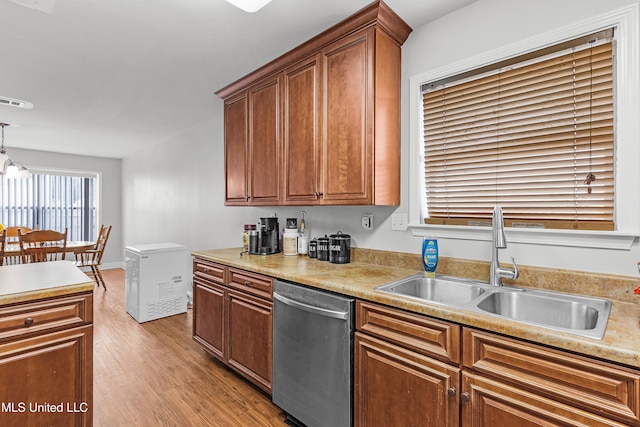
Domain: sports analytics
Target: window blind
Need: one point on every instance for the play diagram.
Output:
(527, 138)
(49, 201)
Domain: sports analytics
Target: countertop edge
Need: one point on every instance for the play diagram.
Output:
(614, 347)
(30, 282)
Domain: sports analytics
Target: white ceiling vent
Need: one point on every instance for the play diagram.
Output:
(15, 103)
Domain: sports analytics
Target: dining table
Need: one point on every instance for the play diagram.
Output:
(13, 249)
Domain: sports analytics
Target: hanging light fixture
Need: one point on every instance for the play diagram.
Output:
(9, 167)
(249, 5)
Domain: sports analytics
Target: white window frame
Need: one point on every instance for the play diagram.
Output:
(627, 144)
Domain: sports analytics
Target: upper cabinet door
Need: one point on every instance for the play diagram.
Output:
(301, 132)
(236, 150)
(264, 137)
(348, 108)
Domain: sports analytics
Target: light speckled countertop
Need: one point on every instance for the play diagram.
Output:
(621, 342)
(27, 282)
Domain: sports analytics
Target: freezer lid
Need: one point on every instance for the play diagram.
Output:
(155, 247)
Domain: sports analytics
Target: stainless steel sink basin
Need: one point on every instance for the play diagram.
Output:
(441, 289)
(586, 316)
(583, 315)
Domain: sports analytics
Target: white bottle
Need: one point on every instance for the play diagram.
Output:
(290, 241)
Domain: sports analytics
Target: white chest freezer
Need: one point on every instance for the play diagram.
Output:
(156, 280)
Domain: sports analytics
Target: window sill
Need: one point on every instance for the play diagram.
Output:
(549, 237)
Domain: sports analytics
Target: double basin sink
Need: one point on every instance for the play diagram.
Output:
(585, 316)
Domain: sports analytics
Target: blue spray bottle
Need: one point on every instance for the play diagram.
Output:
(430, 256)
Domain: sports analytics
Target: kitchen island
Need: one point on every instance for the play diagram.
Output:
(46, 345)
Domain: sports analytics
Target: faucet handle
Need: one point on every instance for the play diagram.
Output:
(515, 273)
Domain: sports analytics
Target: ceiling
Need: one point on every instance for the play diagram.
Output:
(109, 78)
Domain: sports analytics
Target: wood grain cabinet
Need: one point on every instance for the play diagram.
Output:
(302, 137)
(322, 124)
(510, 382)
(252, 145)
(209, 316)
(233, 312)
(236, 149)
(418, 371)
(46, 358)
(264, 142)
(406, 369)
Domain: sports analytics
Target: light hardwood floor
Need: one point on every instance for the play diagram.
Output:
(154, 374)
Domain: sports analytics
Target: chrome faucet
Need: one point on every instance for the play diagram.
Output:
(499, 241)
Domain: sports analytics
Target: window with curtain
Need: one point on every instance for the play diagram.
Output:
(52, 201)
(534, 134)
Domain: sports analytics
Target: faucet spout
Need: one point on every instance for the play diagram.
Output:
(497, 224)
(499, 241)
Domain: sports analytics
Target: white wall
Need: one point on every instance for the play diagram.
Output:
(110, 189)
(175, 193)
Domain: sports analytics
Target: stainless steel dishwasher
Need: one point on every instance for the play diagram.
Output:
(313, 355)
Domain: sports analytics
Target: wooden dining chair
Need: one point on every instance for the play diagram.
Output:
(92, 258)
(42, 245)
(14, 230)
(6, 257)
(3, 238)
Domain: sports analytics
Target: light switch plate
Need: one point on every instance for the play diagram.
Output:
(399, 222)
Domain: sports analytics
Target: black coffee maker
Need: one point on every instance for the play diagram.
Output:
(269, 236)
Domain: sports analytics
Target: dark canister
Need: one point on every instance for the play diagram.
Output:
(323, 248)
(340, 248)
(313, 249)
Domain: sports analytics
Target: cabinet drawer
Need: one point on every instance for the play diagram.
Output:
(41, 316)
(434, 338)
(254, 284)
(602, 388)
(209, 271)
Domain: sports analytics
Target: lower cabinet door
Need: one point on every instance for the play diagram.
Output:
(250, 337)
(489, 403)
(208, 317)
(398, 387)
(47, 379)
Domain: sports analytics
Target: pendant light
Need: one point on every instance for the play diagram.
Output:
(9, 167)
(249, 5)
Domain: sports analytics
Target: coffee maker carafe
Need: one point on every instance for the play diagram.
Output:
(269, 236)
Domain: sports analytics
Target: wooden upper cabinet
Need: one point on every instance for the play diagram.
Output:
(236, 150)
(339, 94)
(348, 117)
(301, 132)
(264, 142)
(252, 145)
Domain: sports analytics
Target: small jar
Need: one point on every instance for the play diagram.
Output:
(290, 241)
(245, 237)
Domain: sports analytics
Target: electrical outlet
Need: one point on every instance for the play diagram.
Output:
(367, 221)
(399, 222)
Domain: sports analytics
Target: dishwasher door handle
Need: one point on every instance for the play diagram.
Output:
(311, 309)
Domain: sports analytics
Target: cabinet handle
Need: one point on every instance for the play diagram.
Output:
(28, 321)
(464, 397)
(319, 194)
(451, 391)
(247, 283)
